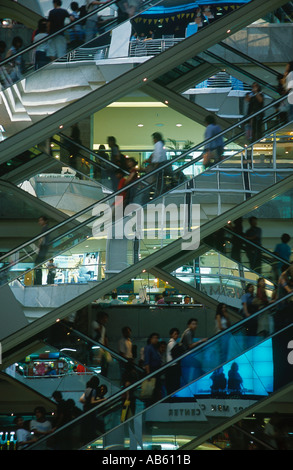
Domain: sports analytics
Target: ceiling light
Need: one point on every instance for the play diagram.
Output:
(139, 125)
(136, 104)
(178, 125)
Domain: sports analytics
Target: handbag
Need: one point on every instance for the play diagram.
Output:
(177, 350)
(147, 389)
(125, 413)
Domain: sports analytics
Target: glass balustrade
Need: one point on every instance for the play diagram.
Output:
(272, 165)
(238, 366)
(90, 51)
(82, 34)
(68, 360)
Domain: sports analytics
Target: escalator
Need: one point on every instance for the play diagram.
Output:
(177, 279)
(214, 274)
(179, 164)
(238, 346)
(95, 167)
(235, 61)
(197, 61)
(247, 255)
(195, 71)
(187, 73)
(170, 254)
(97, 99)
(73, 356)
(266, 77)
(79, 346)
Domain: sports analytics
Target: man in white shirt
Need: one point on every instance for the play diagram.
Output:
(173, 373)
(40, 426)
(157, 159)
(174, 335)
(125, 343)
(125, 350)
(159, 153)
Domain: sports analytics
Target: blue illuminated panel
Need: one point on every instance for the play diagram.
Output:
(254, 371)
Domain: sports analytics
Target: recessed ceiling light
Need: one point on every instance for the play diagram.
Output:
(139, 125)
(178, 125)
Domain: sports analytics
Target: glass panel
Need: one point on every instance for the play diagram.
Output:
(252, 433)
(71, 358)
(248, 253)
(84, 33)
(227, 56)
(208, 187)
(95, 50)
(17, 162)
(250, 367)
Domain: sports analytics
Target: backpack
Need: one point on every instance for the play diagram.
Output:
(178, 350)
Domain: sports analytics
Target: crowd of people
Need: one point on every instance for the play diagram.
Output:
(86, 30)
(40, 426)
(156, 353)
(248, 244)
(57, 46)
(126, 170)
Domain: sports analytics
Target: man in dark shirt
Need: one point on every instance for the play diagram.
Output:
(191, 365)
(254, 234)
(152, 357)
(256, 103)
(152, 362)
(43, 246)
(57, 46)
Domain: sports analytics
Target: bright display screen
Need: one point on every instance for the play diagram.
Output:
(251, 374)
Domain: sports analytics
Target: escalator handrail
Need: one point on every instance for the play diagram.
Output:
(248, 74)
(87, 150)
(82, 147)
(97, 343)
(249, 59)
(134, 386)
(145, 177)
(255, 245)
(232, 139)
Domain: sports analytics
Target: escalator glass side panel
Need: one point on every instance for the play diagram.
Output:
(241, 181)
(50, 68)
(268, 74)
(245, 356)
(18, 161)
(268, 83)
(71, 356)
(250, 255)
(83, 32)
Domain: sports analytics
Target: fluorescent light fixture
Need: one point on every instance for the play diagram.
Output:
(137, 104)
